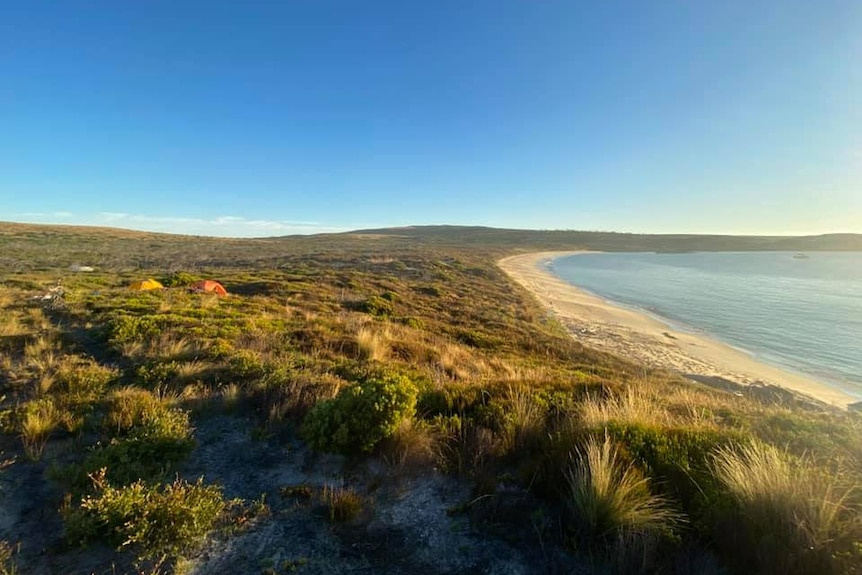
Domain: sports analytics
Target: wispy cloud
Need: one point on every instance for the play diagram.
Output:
(227, 225)
(55, 215)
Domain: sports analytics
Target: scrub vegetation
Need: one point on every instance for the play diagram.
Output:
(153, 431)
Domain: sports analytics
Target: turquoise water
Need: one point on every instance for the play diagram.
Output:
(798, 311)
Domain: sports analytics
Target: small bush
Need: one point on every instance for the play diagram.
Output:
(150, 439)
(179, 279)
(132, 328)
(413, 322)
(680, 457)
(157, 373)
(609, 498)
(245, 364)
(155, 521)
(362, 414)
(83, 380)
(138, 412)
(377, 306)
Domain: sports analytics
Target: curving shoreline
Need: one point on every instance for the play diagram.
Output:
(644, 339)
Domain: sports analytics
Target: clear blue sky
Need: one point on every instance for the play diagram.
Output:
(267, 118)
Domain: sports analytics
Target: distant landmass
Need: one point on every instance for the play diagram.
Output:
(614, 241)
(86, 240)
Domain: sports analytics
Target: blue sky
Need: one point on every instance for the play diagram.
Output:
(270, 118)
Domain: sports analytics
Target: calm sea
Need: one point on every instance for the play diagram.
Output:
(801, 311)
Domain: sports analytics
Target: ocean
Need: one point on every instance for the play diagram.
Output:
(798, 311)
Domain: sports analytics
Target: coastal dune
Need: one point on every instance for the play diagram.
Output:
(639, 337)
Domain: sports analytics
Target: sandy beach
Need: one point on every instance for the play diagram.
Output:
(644, 339)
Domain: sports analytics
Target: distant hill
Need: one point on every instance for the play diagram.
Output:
(32, 246)
(477, 236)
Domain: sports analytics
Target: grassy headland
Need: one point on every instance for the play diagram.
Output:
(171, 431)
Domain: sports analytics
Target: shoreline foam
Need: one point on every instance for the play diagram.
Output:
(644, 339)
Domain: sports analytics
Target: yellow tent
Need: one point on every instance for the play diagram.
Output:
(145, 285)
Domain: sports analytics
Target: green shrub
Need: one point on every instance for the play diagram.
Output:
(157, 373)
(246, 364)
(362, 414)
(139, 413)
(414, 322)
(680, 458)
(377, 306)
(150, 440)
(478, 339)
(178, 279)
(129, 460)
(84, 379)
(390, 296)
(132, 328)
(154, 521)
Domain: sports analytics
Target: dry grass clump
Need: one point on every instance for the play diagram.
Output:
(797, 515)
(290, 394)
(171, 346)
(633, 404)
(610, 498)
(37, 320)
(525, 418)
(457, 362)
(40, 418)
(342, 503)
(41, 355)
(10, 322)
(8, 565)
(373, 344)
(651, 400)
(130, 406)
(411, 447)
(188, 370)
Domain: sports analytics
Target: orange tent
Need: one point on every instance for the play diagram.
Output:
(208, 286)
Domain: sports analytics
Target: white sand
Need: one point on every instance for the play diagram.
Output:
(641, 338)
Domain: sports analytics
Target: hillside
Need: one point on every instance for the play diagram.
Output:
(382, 401)
(494, 238)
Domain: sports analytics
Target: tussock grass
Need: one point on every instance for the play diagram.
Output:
(170, 346)
(188, 370)
(373, 344)
(342, 504)
(798, 515)
(39, 420)
(131, 406)
(8, 564)
(461, 364)
(609, 498)
(653, 401)
(10, 323)
(526, 418)
(411, 447)
(37, 321)
(631, 405)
